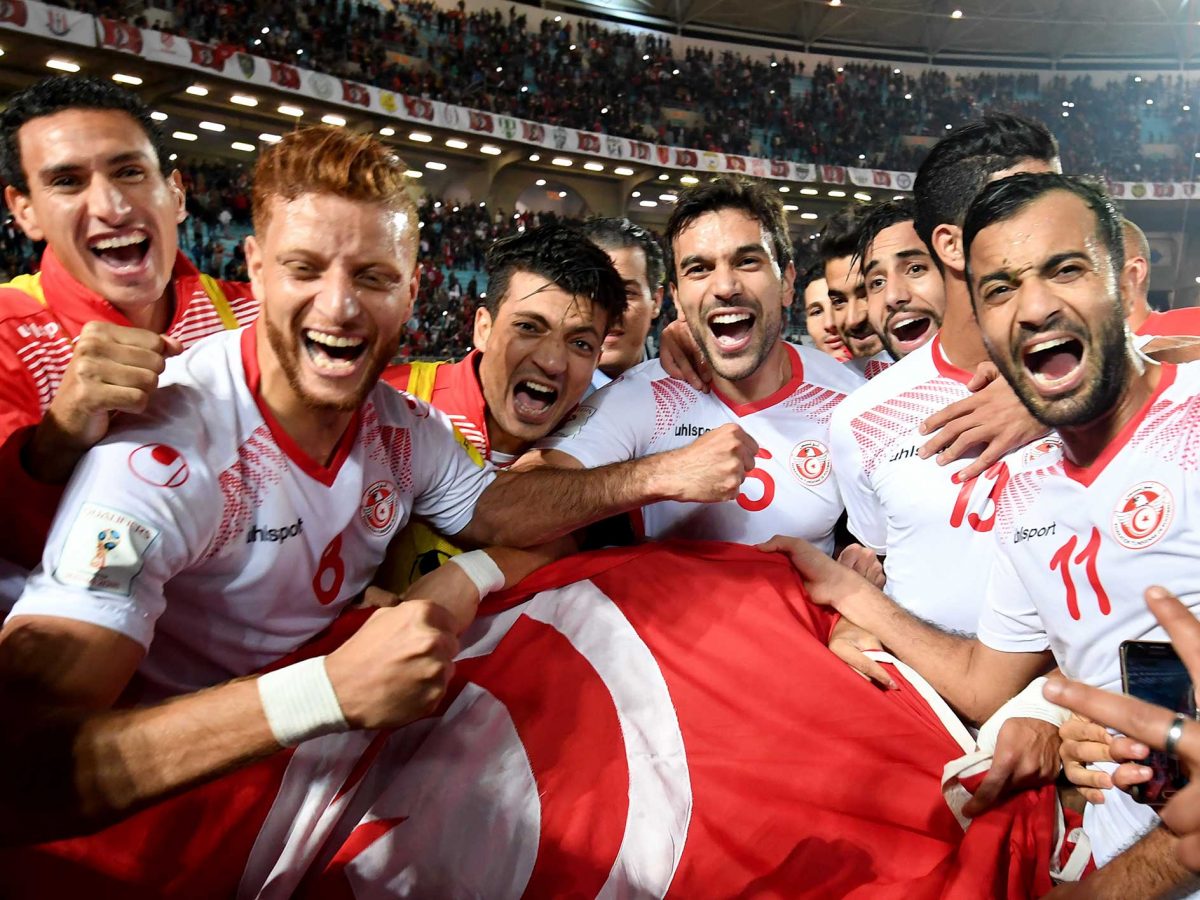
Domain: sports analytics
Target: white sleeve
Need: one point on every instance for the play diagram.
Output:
(615, 424)
(118, 539)
(864, 512)
(1009, 620)
(447, 480)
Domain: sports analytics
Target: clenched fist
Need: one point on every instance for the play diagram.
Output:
(114, 368)
(711, 468)
(395, 668)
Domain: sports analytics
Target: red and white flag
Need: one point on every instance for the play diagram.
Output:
(662, 720)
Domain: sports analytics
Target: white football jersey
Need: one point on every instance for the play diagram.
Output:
(792, 490)
(934, 532)
(201, 531)
(868, 367)
(1077, 548)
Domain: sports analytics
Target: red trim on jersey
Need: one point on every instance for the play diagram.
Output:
(1182, 321)
(1085, 475)
(779, 396)
(324, 474)
(943, 365)
(458, 392)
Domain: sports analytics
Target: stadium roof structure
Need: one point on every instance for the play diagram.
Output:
(1060, 33)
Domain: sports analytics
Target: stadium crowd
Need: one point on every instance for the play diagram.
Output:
(230, 536)
(617, 82)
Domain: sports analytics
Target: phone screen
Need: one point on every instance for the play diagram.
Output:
(1152, 671)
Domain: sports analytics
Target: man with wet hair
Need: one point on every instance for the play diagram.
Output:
(87, 336)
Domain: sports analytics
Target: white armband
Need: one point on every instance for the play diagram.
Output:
(300, 703)
(481, 569)
(1029, 704)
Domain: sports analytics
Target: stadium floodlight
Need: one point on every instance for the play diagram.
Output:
(837, 194)
(692, 179)
(1, 51)
(457, 144)
(623, 170)
(636, 194)
(667, 198)
(534, 157)
(183, 136)
(957, 14)
(808, 215)
(420, 137)
(387, 131)
(664, 177)
(415, 173)
(649, 204)
(835, 2)
(243, 146)
(490, 149)
(541, 182)
(594, 166)
(791, 207)
(863, 196)
(562, 195)
(562, 161)
(436, 166)
(122, 78)
(212, 126)
(244, 100)
(62, 65)
(173, 157)
(158, 116)
(782, 190)
(267, 138)
(331, 119)
(809, 192)
(294, 111)
(197, 90)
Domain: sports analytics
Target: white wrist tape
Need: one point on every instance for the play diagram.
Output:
(482, 570)
(1029, 704)
(300, 703)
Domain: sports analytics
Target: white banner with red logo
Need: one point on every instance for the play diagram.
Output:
(229, 63)
(48, 21)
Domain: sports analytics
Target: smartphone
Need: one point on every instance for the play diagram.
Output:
(1152, 671)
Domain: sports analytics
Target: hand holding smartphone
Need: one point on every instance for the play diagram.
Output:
(1152, 671)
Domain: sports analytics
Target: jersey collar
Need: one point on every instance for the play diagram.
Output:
(326, 475)
(943, 365)
(745, 409)
(1085, 475)
(74, 305)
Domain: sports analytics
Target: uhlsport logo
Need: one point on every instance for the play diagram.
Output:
(379, 507)
(810, 462)
(1142, 515)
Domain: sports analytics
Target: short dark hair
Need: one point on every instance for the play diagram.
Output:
(879, 216)
(617, 233)
(959, 165)
(815, 272)
(1003, 199)
(730, 192)
(63, 92)
(561, 254)
(839, 237)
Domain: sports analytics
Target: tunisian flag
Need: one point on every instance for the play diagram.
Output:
(662, 720)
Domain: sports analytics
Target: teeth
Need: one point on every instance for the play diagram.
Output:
(1046, 345)
(729, 318)
(114, 243)
(330, 340)
(537, 388)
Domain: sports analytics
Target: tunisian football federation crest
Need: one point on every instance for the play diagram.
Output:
(810, 463)
(378, 508)
(1143, 515)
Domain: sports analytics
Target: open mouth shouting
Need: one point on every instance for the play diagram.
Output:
(909, 331)
(732, 329)
(333, 354)
(533, 400)
(122, 254)
(1054, 363)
